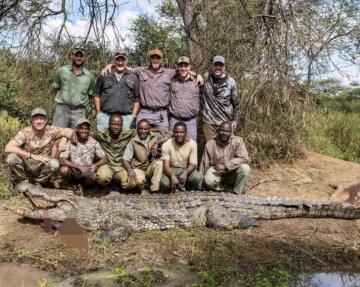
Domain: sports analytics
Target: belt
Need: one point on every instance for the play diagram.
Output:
(154, 110)
(73, 108)
(182, 119)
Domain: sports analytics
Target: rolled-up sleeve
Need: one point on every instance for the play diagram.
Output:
(241, 156)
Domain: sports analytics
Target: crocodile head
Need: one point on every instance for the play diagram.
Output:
(40, 203)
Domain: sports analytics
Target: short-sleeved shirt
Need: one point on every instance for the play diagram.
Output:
(117, 95)
(73, 89)
(114, 150)
(154, 88)
(184, 98)
(83, 153)
(27, 139)
(180, 155)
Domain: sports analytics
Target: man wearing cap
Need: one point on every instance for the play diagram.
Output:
(80, 162)
(184, 98)
(73, 85)
(221, 101)
(117, 92)
(30, 150)
(155, 90)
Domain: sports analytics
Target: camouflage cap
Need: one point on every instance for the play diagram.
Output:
(120, 53)
(183, 59)
(38, 111)
(82, 121)
(79, 48)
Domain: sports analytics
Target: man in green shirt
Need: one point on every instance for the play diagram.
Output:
(73, 85)
(113, 141)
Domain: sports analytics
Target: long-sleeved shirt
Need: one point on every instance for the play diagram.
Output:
(221, 101)
(232, 154)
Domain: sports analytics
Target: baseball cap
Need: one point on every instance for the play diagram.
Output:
(155, 52)
(183, 59)
(219, 59)
(120, 53)
(78, 48)
(38, 111)
(82, 121)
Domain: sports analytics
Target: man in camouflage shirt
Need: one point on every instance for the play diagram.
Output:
(79, 162)
(30, 150)
(221, 101)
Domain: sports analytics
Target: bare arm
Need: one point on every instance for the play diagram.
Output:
(131, 174)
(168, 171)
(96, 100)
(135, 109)
(13, 147)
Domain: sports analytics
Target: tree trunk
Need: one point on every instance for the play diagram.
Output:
(189, 16)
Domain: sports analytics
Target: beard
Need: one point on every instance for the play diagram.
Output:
(78, 65)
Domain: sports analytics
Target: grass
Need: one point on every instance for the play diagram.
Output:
(335, 134)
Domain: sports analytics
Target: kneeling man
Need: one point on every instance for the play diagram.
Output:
(140, 159)
(80, 162)
(179, 155)
(225, 161)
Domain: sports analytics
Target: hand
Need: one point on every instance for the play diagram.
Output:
(199, 80)
(154, 149)
(106, 70)
(62, 144)
(131, 174)
(73, 138)
(220, 167)
(183, 177)
(174, 182)
(234, 126)
(86, 170)
(41, 158)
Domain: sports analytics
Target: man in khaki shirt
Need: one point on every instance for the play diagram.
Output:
(179, 155)
(225, 160)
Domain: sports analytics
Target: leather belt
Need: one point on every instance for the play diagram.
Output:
(72, 108)
(154, 110)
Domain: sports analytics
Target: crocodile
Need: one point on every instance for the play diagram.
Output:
(117, 215)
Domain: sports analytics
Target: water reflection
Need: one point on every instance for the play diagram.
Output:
(336, 279)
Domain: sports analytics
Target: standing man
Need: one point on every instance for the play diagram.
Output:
(30, 150)
(155, 89)
(225, 160)
(221, 101)
(80, 162)
(184, 98)
(179, 155)
(113, 141)
(73, 85)
(140, 159)
(117, 92)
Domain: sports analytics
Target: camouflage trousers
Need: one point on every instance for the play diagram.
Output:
(24, 169)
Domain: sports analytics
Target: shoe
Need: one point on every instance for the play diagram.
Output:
(78, 189)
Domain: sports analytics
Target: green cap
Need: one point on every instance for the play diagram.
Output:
(79, 48)
(82, 121)
(120, 53)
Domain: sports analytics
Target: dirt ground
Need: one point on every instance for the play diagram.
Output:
(325, 243)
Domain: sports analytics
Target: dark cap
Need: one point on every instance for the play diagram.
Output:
(120, 53)
(183, 59)
(82, 121)
(38, 111)
(79, 48)
(219, 59)
(155, 52)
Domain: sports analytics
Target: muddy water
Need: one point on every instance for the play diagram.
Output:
(335, 279)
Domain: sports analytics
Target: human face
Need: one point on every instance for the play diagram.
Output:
(38, 122)
(115, 126)
(82, 132)
(224, 132)
(180, 135)
(120, 64)
(183, 70)
(143, 130)
(155, 62)
(78, 59)
(218, 69)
